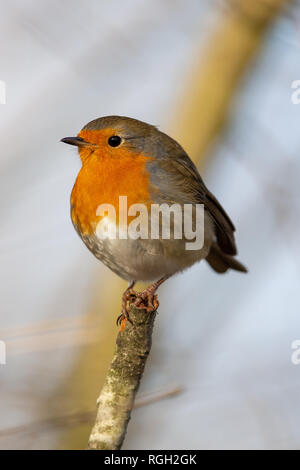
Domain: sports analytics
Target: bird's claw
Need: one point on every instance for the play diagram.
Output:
(145, 300)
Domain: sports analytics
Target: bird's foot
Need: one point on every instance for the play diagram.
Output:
(128, 298)
(146, 300)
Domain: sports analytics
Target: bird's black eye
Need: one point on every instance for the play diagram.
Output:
(114, 141)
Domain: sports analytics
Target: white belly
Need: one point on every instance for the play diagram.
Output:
(147, 259)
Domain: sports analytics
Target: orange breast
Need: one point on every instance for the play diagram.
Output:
(102, 179)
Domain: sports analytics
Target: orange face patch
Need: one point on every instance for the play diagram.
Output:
(106, 174)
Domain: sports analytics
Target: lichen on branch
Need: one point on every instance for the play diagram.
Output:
(117, 396)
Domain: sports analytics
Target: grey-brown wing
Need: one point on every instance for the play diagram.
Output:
(183, 177)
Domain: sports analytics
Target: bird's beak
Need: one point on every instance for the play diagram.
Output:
(78, 141)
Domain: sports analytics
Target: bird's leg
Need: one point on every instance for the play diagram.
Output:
(128, 296)
(147, 300)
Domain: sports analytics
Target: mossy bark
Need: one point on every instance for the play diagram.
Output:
(117, 396)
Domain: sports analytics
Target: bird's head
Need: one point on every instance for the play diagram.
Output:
(115, 137)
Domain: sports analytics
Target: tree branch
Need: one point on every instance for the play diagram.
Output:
(117, 396)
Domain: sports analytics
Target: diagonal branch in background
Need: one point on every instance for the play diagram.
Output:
(117, 396)
(71, 419)
(218, 69)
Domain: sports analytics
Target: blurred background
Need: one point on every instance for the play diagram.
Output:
(217, 75)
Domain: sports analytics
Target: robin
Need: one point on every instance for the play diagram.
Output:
(121, 157)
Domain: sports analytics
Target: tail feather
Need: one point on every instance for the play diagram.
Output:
(221, 262)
